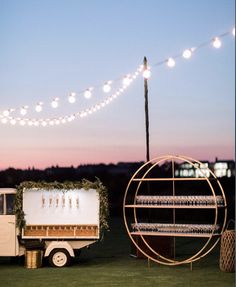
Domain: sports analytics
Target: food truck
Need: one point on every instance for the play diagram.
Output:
(57, 220)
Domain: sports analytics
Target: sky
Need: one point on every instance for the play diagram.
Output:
(52, 48)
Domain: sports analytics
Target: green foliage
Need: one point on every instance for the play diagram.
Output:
(65, 186)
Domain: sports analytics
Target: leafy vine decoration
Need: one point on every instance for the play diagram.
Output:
(65, 186)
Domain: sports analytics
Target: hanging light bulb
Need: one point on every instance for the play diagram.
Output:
(39, 107)
(72, 98)
(23, 110)
(107, 87)
(55, 103)
(140, 68)
(44, 123)
(216, 43)
(171, 62)
(126, 80)
(187, 53)
(30, 123)
(233, 32)
(63, 121)
(147, 73)
(6, 113)
(88, 93)
(22, 122)
(13, 122)
(4, 120)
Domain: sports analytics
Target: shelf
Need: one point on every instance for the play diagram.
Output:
(149, 193)
(170, 179)
(174, 206)
(180, 201)
(151, 233)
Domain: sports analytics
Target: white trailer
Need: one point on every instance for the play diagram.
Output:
(59, 221)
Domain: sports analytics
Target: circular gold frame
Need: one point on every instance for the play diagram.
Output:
(197, 165)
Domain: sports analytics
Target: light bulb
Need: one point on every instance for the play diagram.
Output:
(88, 93)
(4, 120)
(44, 123)
(71, 118)
(72, 98)
(107, 87)
(140, 69)
(6, 113)
(23, 110)
(187, 54)
(13, 122)
(36, 123)
(30, 123)
(126, 80)
(171, 62)
(216, 43)
(22, 122)
(233, 31)
(38, 107)
(147, 73)
(54, 103)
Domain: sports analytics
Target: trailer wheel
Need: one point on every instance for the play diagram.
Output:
(59, 258)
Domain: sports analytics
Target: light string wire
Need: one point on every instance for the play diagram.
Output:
(6, 115)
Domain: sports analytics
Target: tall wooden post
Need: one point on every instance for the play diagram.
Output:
(146, 111)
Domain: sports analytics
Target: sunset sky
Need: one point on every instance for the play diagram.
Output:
(52, 48)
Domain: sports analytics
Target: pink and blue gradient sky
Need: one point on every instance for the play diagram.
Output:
(50, 48)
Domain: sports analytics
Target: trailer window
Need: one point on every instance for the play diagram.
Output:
(9, 203)
(1, 204)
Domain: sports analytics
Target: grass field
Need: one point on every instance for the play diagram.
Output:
(108, 263)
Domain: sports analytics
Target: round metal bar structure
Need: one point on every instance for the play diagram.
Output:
(213, 238)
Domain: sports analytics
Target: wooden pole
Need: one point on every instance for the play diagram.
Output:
(147, 127)
(146, 111)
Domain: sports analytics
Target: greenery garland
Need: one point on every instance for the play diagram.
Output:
(65, 186)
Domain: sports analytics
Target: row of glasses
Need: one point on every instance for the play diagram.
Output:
(179, 200)
(175, 228)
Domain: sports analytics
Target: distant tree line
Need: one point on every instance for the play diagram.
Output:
(114, 176)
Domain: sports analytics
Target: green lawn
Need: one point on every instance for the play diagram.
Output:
(108, 263)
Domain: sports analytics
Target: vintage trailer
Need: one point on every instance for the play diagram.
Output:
(58, 221)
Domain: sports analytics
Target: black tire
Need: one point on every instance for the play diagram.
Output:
(59, 258)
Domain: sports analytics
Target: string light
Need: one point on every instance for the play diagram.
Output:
(6, 115)
(72, 98)
(13, 122)
(39, 107)
(23, 110)
(127, 80)
(107, 87)
(187, 53)
(44, 123)
(88, 93)
(55, 103)
(4, 120)
(171, 62)
(22, 122)
(216, 43)
(147, 73)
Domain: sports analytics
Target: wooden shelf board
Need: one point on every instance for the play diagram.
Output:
(146, 233)
(173, 206)
(170, 179)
